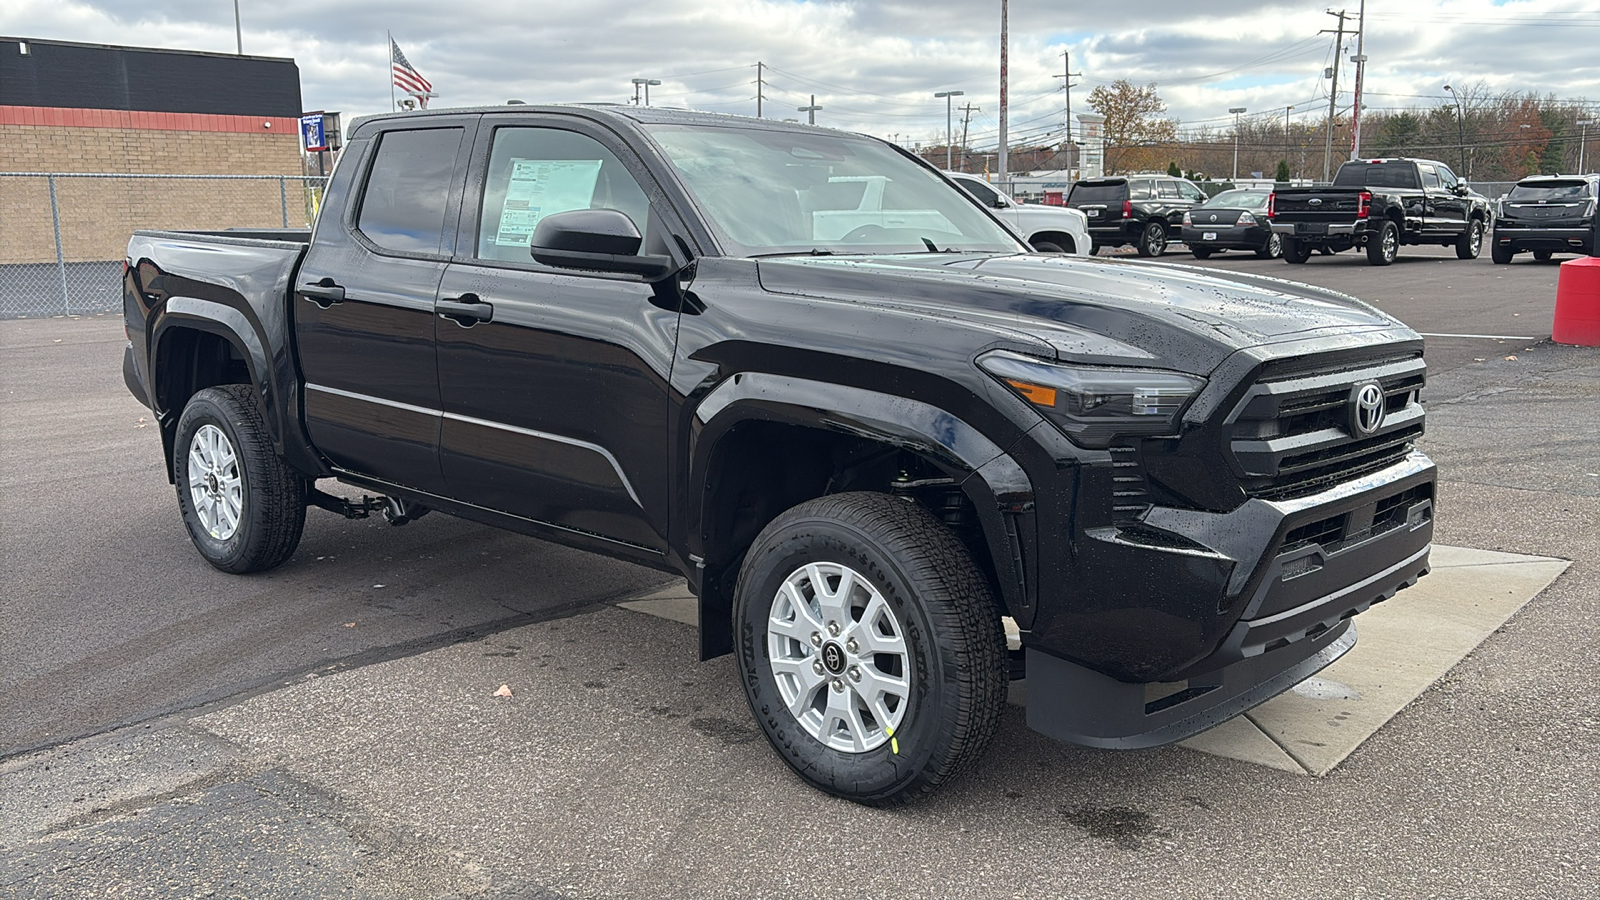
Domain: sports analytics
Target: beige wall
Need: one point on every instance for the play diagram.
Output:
(97, 214)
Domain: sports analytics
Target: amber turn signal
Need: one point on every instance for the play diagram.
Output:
(1037, 394)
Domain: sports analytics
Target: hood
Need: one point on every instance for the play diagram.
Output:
(1095, 311)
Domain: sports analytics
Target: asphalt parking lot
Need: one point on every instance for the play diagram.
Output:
(330, 729)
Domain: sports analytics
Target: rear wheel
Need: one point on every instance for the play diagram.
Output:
(870, 647)
(1296, 251)
(1500, 253)
(244, 507)
(1153, 242)
(1470, 244)
(1273, 248)
(1383, 246)
(1543, 255)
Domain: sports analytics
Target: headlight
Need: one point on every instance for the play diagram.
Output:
(1095, 405)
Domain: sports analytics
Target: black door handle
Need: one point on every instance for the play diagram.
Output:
(324, 293)
(466, 310)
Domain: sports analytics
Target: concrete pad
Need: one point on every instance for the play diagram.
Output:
(1406, 644)
(671, 602)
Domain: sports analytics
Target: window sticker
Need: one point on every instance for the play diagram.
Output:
(541, 187)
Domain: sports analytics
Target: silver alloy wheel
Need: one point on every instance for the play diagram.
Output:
(1476, 240)
(1391, 242)
(215, 486)
(1274, 245)
(1155, 239)
(838, 656)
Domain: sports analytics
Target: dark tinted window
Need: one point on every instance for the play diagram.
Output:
(1098, 192)
(985, 194)
(1168, 190)
(534, 172)
(1549, 190)
(1141, 190)
(1430, 176)
(407, 188)
(1392, 174)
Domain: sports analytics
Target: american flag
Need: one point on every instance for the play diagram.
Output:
(406, 78)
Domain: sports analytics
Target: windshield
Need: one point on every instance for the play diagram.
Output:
(1237, 200)
(1549, 191)
(772, 192)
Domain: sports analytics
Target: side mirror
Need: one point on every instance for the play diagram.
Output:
(595, 240)
(1460, 190)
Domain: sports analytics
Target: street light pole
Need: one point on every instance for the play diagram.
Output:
(947, 95)
(1583, 140)
(1461, 134)
(1236, 111)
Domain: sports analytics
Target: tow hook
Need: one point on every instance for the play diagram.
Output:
(399, 512)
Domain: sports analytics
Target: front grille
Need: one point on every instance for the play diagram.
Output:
(1292, 433)
(1130, 492)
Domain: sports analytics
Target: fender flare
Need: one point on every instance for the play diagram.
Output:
(998, 486)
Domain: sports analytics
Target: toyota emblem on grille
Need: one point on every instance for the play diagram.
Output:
(1366, 409)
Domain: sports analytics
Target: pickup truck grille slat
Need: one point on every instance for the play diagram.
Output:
(1291, 434)
(1130, 492)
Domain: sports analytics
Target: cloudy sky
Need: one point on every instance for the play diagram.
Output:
(873, 66)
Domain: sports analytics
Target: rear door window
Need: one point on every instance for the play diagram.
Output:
(1168, 190)
(408, 190)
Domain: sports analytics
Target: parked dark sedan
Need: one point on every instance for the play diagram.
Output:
(1232, 220)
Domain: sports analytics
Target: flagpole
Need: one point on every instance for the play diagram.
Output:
(390, 50)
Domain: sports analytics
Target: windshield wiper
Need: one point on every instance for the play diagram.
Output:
(814, 251)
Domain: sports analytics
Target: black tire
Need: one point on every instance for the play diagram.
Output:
(1543, 255)
(1384, 246)
(1201, 252)
(272, 497)
(1153, 241)
(1500, 254)
(1272, 248)
(954, 652)
(1047, 247)
(1470, 244)
(1296, 251)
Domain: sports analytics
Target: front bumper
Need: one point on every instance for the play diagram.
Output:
(1228, 605)
(1578, 239)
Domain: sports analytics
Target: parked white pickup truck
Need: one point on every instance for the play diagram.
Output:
(1048, 229)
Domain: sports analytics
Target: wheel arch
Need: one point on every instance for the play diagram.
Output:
(200, 344)
(1062, 239)
(764, 443)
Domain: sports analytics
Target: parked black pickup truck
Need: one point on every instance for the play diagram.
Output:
(864, 432)
(1380, 204)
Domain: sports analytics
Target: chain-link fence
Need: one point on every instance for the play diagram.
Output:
(63, 236)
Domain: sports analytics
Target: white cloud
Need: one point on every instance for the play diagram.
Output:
(873, 66)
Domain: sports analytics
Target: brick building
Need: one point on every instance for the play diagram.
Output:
(75, 108)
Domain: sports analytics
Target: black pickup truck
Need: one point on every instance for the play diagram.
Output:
(1380, 204)
(805, 371)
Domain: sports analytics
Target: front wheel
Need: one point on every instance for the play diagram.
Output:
(1296, 251)
(1383, 246)
(1470, 244)
(244, 507)
(1047, 247)
(1153, 242)
(870, 647)
(1273, 248)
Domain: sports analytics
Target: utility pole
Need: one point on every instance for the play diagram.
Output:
(1360, 60)
(1333, 93)
(1583, 140)
(760, 83)
(1461, 134)
(1004, 39)
(1236, 111)
(238, 33)
(947, 95)
(969, 109)
(1066, 77)
(811, 110)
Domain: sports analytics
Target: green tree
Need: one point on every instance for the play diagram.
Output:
(1173, 170)
(1283, 171)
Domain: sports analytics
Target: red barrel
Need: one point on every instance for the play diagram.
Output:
(1578, 303)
